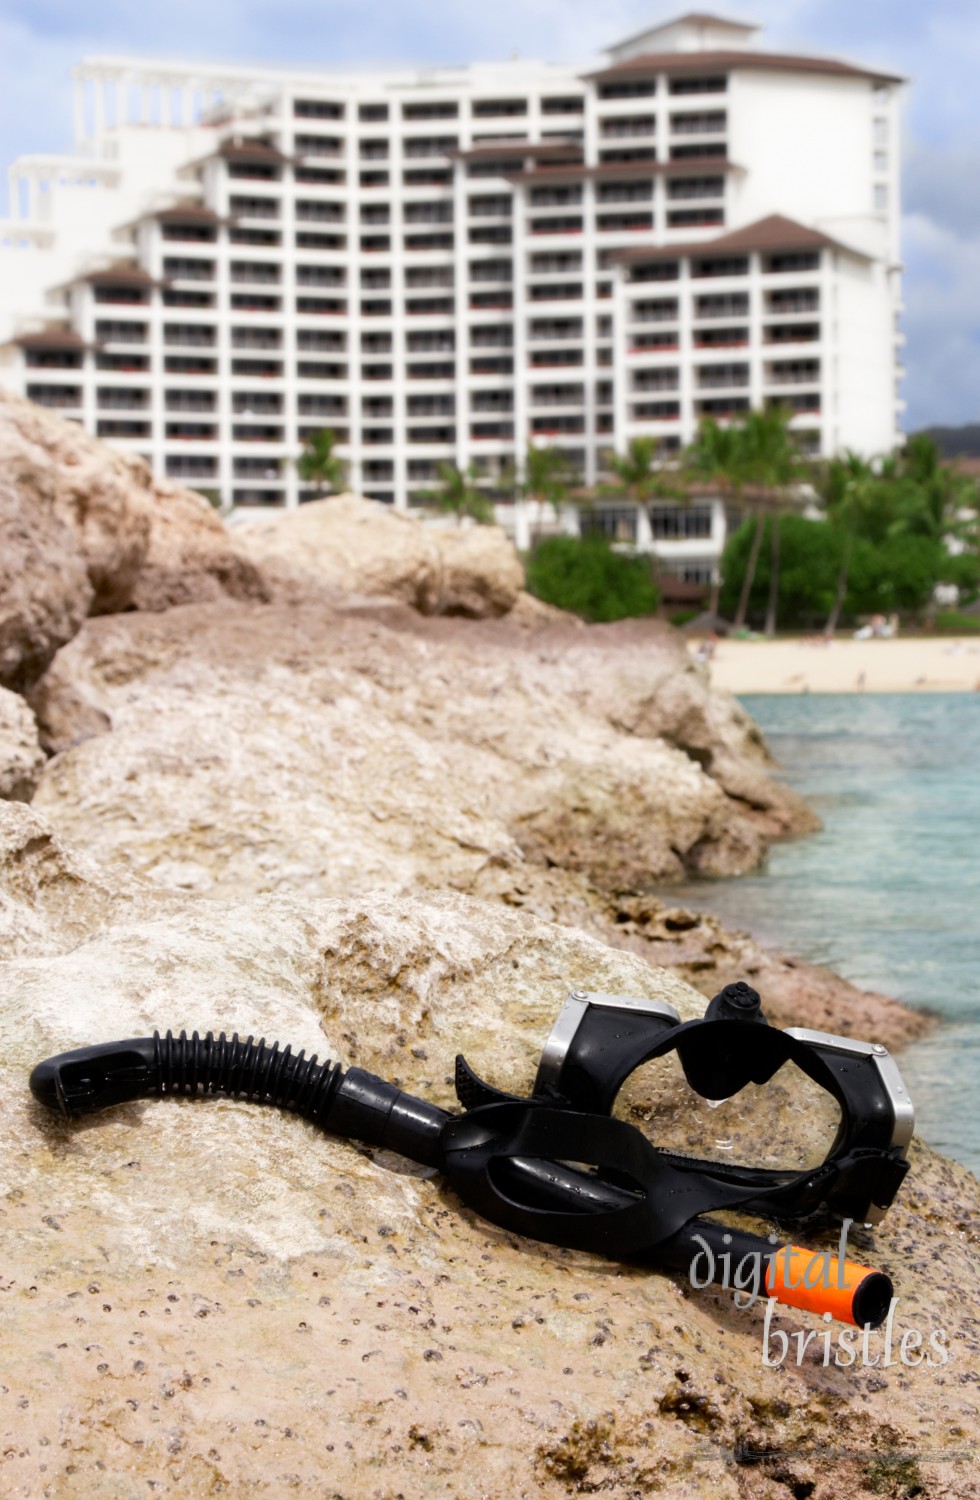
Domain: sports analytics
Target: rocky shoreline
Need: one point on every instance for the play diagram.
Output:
(370, 799)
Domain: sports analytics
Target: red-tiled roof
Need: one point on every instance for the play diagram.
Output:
(743, 59)
(772, 233)
(120, 273)
(186, 213)
(51, 338)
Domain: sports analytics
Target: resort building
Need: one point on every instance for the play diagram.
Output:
(444, 264)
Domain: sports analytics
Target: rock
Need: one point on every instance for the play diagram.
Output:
(204, 1295)
(357, 546)
(45, 592)
(482, 576)
(400, 752)
(192, 557)
(21, 757)
(85, 529)
(64, 715)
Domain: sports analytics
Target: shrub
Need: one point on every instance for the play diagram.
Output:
(584, 575)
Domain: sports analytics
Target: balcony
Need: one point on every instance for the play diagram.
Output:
(431, 406)
(261, 369)
(190, 466)
(783, 304)
(318, 145)
(255, 208)
(709, 122)
(722, 377)
(560, 224)
(728, 265)
(655, 343)
(655, 411)
(58, 397)
(555, 197)
(557, 426)
(122, 429)
(627, 127)
(682, 188)
(791, 333)
(555, 291)
(311, 212)
(721, 338)
(721, 307)
(186, 269)
(793, 372)
(189, 364)
(664, 311)
(542, 328)
(557, 396)
(492, 364)
(555, 359)
(656, 380)
(444, 369)
(435, 434)
(191, 432)
(119, 398)
(422, 146)
(257, 275)
(490, 206)
(624, 223)
(257, 433)
(308, 369)
(121, 333)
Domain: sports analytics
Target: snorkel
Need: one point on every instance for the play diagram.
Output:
(557, 1166)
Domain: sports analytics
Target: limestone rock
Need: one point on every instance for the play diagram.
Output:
(192, 557)
(45, 591)
(296, 748)
(21, 757)
(85, 529)
(64, 715)
(363, 547)
(481, 573)
(204, 1296)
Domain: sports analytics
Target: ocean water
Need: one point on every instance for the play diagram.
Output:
(888, 894)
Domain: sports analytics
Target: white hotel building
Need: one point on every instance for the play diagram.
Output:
(444, 264)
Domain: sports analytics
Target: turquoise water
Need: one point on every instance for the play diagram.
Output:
(889, 893)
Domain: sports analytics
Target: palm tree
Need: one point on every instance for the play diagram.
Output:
(319, 465)
(458, 493)
(716, 454)
(547, 476)
(848, 494)
(757, 459)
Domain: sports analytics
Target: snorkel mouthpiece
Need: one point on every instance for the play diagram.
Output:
(557, 1166)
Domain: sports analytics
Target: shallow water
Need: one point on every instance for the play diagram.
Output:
(888, 894)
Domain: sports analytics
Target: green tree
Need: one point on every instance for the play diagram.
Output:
(458, 494)
(547, 478)
(899, 574)
(849, 492)
(319, 466)
(586, 576)
(758, 462)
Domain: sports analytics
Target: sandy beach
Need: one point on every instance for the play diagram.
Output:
(930, 664)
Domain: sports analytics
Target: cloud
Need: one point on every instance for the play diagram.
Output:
(942, 322)
(943, 186)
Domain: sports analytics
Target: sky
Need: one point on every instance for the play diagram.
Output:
(935, 43)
